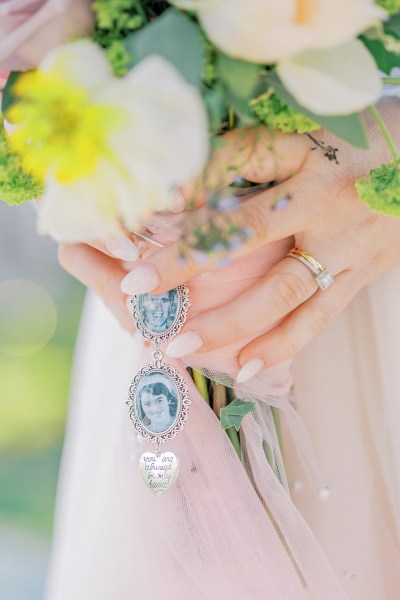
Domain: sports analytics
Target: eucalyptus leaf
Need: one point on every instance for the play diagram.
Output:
(392, 25)
(232, 415)
(239, 76)
(385, 60)
(173, 36)
(347, 127)
(9, 98)
(217, 108)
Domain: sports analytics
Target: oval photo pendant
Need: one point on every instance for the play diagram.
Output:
(158, 395)
(160, 317)
(158, 402)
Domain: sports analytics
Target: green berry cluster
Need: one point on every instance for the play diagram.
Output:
(209, 74)
(381, 189)
(276, 114)
(114, 21)
(391, 6)
(16, 186)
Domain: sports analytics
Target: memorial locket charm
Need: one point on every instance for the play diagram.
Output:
(158, 395)
(159, 472)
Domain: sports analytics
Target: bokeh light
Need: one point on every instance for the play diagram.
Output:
(28, 317)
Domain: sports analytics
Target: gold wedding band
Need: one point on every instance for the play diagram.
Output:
(322, 276)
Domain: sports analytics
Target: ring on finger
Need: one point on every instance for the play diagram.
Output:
(323, 277)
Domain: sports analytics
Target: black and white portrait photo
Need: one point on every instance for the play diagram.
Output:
(158, 312)
(157, 402)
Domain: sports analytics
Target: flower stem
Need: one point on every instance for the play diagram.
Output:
(201, 384)
(234, 437)
(391, 80)
(220, 399)
(385, 132)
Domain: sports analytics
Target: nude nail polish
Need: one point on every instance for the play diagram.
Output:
(122, 247)
(140, 280)
(250, 369)
(184, 344)
(176, 202)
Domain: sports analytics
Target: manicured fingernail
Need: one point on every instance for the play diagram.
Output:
(184, 344)
(128, 265)
(122, 247)
(176, 201)
(141, 280)
(249, 369)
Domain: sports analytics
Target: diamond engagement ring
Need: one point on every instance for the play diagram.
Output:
(322, 276)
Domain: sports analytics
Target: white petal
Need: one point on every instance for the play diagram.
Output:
(167, 139)
(264, 31)
(83, 63)
(81, 211)
(334, 23)
(332, 82)
(260, 31)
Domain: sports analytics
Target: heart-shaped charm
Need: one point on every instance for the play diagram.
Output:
(159, 472)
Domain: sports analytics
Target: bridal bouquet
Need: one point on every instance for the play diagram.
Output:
(124, 101)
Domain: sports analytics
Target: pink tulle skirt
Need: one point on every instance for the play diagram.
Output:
(230, 529)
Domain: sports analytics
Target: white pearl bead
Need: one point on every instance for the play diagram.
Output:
(297, 485)
(350, 575)
(324, 493)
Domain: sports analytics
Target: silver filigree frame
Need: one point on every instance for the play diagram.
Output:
(184, 402)
(181, 316)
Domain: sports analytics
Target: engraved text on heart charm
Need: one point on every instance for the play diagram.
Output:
(159, 472)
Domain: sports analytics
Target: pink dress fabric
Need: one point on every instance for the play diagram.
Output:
(31, 28)
(216, 534)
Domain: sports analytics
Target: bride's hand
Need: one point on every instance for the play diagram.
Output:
(316, 203)
(102, 268)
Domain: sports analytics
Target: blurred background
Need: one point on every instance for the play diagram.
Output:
(39, 316)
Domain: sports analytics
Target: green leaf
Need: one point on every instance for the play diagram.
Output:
(217, 108)
(384, 59)
(232, 415)
(173, 36)
(239, 76)
(347, 127)
(8, 98)
(393, 25)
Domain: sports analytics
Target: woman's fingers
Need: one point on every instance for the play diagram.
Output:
(290, 336)
(285, 286)
(258, 221)
(100, 273)
(254, 153)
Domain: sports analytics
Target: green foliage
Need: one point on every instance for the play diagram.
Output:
(209, 74)
(118, 57)
(391, 6)
(384, 59)
(217, 108)
(276, 114)
(114, 21)
(232, 415)
(8, 98)
(175, 37)
(381, 189)
(348, 127)
(16, 186)
(238, 76)
(392, 26)
(383, 42)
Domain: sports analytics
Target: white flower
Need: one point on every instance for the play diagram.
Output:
(337, 81)
(265, 31)
(110, 149)
(295, 34)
